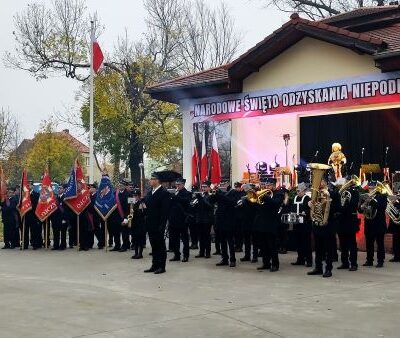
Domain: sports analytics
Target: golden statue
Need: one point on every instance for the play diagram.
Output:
(337, 159)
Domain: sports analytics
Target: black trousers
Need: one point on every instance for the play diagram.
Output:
(348, 248)
(126, 232)
(205, 239)
(194, 233)
(114, 231)
(176, 235)
(217, 239)
(283, 236)
(324, 248)
(9, 233)
(99, 233)
(238, 235)
(227, 241)
(59, 235)
(249, 240)
(138, 236)
(72, 234)
(268, 244)
(303, 242)
(396, 243)
(370, 239)
(159, 250)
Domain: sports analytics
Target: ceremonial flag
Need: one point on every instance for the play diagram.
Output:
(3, 186)
(195, 163)
(47, 200)
(215, 162)
(98, 57)
(204, 161)
(77, 186)
(24, 203)
(105, 200)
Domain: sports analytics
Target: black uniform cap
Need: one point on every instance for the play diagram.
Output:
(181, 180)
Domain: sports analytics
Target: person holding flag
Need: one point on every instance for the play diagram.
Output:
(59, 222)
(47, 204)
(24, 207)
(77, 198)
(10, 219)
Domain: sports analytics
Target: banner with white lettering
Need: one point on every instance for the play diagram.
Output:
(374, 89)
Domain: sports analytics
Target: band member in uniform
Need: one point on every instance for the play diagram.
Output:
(224, 220)
(375, 227)
(59, 223)
(32, 225)
(266, 225)
(302, 229)
(394, 229)
(138, 224)
(9, 217)
(157, 202)
(97, 222)
(324, 234)
(248, 212)
(123, 211)
(203, 218)
(283, 228)
(178, 227)
(348, 226)
(237, 194)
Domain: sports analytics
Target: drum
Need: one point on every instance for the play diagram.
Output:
(292, 218)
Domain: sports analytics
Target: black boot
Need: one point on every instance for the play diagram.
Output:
(327, 274)
(176, 258)
(315, 272)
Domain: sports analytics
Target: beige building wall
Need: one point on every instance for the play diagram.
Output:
(308, 61)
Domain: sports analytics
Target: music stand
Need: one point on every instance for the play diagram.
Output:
(371, 169)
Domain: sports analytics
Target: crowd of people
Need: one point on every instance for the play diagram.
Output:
(244, 219)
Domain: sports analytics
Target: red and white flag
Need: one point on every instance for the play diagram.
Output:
(195, 163)
(215, 162)
(98, 56)
(3, 186)
(204, 160)
(47, 200)
(25, 203)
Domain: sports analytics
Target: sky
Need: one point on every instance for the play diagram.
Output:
(33, 101)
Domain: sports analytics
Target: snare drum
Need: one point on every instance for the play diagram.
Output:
(292, 218)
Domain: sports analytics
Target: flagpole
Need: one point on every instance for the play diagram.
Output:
(23, 232)
(78, 244)
(46, 234)
(91, 148)
(105, 235)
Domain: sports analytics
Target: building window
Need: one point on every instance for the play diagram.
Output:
(87, 162)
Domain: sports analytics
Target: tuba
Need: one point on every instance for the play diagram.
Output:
(262, 194)
(367, 208)
(320, 200)
(391, 210)
(345, 194)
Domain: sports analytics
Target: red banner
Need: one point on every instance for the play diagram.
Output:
(82, 200)
(25, 203)
(47, 200)
(3, 186)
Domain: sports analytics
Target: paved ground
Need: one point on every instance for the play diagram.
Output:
(98, 294)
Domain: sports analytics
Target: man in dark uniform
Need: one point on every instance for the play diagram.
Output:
(124, 194)
(375, 228)
(237, 194)
(193, 228)
(157, 202)
(59, 223)
(224, 221)
(266, 226)
(178, 227)
(324, 235)
(32, 225)
(203, 214)
(348, 226)
(9, 217)
(249, 210)
(283, 228)
(302, 230)
(95, 219)
(138, 224)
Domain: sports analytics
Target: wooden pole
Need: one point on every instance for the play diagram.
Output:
(46, 234)
(105, 235)
(23, 234)
(78, 244)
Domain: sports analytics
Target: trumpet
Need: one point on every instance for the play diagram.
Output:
(258, 196)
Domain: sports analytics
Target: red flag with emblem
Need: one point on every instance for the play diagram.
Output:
(25, 203)
(47, 200)
(204, 160)
(3, 186)
(215, 162)
(195, 163)
(82, 199)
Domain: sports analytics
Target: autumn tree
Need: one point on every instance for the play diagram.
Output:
(50, 150)
(319, 9)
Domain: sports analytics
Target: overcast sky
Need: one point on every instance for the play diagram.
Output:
(33, 101)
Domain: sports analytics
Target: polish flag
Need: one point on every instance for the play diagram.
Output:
(98, 57)
(215, 162)
(195, 163)
(204, 161)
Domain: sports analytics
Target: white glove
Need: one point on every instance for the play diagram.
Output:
(125, 221)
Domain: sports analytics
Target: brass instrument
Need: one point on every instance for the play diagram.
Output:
(345, 194)
(257, 196)
(320, 200)
(391, 210)
(130, 216)
(369, 210)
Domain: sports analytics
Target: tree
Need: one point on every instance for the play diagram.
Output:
(50, 150)
(319, 9)
(54, 40)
